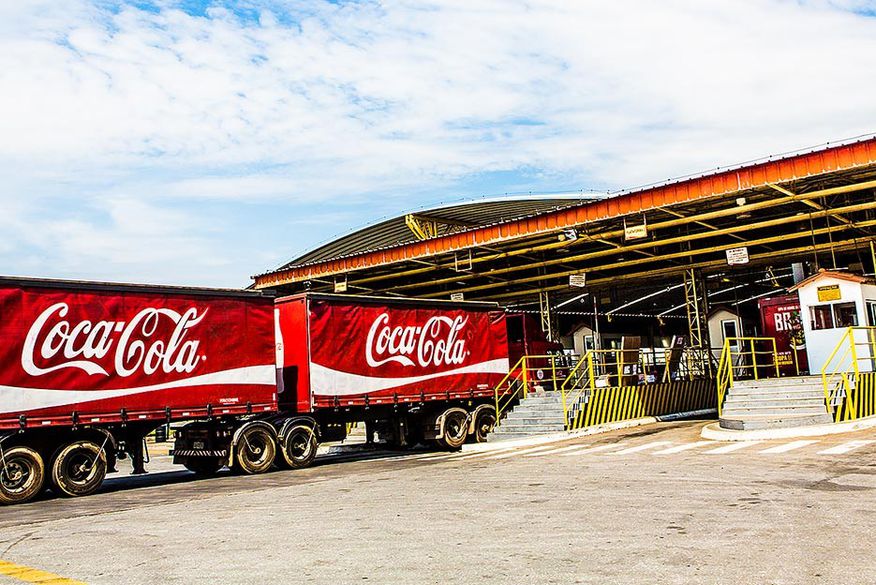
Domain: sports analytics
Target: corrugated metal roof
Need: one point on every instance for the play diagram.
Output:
(394, 232)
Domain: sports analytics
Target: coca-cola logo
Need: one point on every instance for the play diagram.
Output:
(135, 344)
(435, 343)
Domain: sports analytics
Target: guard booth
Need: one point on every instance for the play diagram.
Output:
(831, 303)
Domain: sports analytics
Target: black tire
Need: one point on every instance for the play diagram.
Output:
(78, 468)
(255, 451)
(455, 430)
(298, 448)
(485, 420)
(204, 466)
(22, 475)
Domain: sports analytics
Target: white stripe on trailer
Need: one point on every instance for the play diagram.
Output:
(845, 447)
(732, 447)
(639, 448)
(686, 447)
(788, 447)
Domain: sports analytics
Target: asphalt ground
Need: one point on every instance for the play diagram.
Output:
(653, 504)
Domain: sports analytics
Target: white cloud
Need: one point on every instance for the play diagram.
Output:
(322, 102)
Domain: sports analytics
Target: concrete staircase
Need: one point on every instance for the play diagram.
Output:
(534, 415)
(774, 403)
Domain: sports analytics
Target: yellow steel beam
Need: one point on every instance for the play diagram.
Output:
(619, 232)
(811, 204)
(635, 247)
(675, 270)
(662, 257)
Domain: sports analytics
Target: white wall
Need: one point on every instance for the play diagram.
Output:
(821, 343)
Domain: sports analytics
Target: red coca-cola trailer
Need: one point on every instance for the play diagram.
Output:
(413, 371)
(780, 319)
(87, 370)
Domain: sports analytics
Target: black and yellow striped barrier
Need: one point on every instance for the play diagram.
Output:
(617, 403)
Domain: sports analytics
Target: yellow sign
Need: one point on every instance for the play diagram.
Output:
(829, 293)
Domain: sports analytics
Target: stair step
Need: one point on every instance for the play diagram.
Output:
(778, 382)
(772, 401)
(505, 428)
(773, 422)
(771, 410)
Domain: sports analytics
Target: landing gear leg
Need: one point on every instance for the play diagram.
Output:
(138, 456)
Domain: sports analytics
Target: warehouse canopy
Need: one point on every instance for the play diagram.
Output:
(739, 228)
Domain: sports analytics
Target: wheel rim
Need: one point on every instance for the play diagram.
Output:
(16, 476)
(80, 467)
(256, 448)
(300, 445)
(454, 427)
(486, 424)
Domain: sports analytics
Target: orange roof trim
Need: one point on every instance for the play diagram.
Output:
(760, 174)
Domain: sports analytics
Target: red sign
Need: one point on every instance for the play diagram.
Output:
(99, 352)
(387, 349)
(780, 318)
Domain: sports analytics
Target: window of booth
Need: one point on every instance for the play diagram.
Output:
(833, 316)
(845, 315)
(822, 317)
(871, 313)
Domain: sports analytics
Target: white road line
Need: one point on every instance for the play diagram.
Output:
(845, 447)
(788, 447)
(486, 453)
(587, 450)
(557, 450)
(638, 448)
(680, 448)
(732, 447)
(521, 452)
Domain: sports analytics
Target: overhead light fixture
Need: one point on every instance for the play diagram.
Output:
(569, 235)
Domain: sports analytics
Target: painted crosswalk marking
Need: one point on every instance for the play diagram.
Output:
(585, 450)
(732, 447)
(788, 447)
(845, 447)
(644, 447)
(516, 453)
(557, 451)
(685, 447)
(487, 453)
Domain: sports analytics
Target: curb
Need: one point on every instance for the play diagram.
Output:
(715, 433)
(594, 430)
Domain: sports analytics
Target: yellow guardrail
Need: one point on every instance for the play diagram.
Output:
(847, 386)
(607, 371)
(739, 359)
(546, 370)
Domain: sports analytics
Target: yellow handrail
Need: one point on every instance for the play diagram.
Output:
(516, 383)
(840, 376)
(725, 376)
(587, 360)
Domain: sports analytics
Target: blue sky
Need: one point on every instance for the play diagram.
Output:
(201, 142)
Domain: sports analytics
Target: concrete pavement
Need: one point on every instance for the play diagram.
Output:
(645, 505)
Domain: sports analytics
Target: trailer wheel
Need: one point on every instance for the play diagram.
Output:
(484, 423)
(22, 475)
(78, 468)
(455, 429)
(204, 466)
(299, 447)
(255, 450)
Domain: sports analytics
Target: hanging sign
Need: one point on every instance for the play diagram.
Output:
(341, 286)
(737, 256)
(457, 296)
(578, 280)
(829, 293)
(635, 232)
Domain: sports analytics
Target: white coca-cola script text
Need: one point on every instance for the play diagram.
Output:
(436, 343)
(135, 344)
